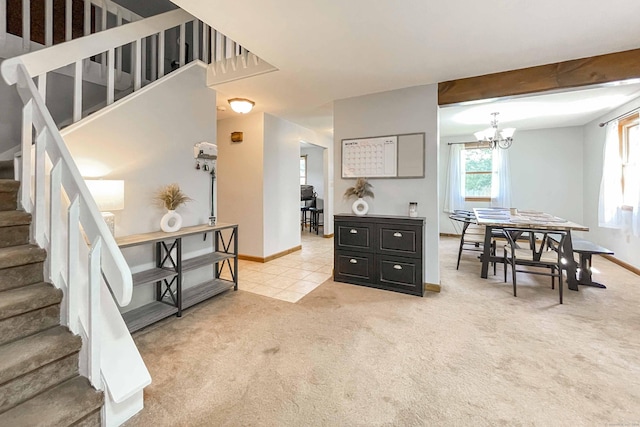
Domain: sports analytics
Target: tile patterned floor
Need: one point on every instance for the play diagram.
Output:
(290, 277)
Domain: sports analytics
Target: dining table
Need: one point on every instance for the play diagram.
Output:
(500, 218)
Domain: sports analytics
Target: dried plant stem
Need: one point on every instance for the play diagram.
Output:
(171, 197)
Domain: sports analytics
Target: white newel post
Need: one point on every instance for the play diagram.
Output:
(137, 64)
(77, 91)
(73, 254)
(27, 125)
(3, 22)
(68, 20)
(39, 213)
(182, 40)
(196, 39)
(161, 54)
(87, 17)
(26, 25)
(111, 87)
(95, 280)
(55, 257)
(48, 23)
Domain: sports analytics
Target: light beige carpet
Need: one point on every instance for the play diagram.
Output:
(472, 355)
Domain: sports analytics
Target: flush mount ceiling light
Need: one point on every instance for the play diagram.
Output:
(497, 138)
(241, 105)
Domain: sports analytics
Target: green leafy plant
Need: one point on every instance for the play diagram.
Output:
(360, 190)
(171, 197)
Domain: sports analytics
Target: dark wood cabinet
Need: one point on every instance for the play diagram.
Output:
(383, 252)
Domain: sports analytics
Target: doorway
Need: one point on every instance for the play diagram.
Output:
(314, 191)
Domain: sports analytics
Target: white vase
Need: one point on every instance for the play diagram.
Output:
(360, 207)
(171, 221)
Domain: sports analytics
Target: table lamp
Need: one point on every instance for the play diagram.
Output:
(109, 196)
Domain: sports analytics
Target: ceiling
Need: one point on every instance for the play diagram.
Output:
(571, 108)
(335, 49)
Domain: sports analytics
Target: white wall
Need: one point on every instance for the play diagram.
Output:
(546, 173)
(315, 168)
(147, 141)
(625, 245)
(281, 185)
(258, 182)
(240, 180)
(408, 110)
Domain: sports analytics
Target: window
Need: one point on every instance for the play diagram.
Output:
(477, 166)
(629, 134)
(303, 170)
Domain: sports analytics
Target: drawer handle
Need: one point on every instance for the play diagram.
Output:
(396, 234)
(353, 231)
(397, 267)
(353, 261)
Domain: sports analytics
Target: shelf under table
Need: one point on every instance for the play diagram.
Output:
(152, 275)
(206, 259)
(143, 316)
(203, 291)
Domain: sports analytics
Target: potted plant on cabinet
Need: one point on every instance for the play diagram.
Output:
(360, 190)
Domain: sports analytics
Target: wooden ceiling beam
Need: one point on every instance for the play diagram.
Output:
(561, 75)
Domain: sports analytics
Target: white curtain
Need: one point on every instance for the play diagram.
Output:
(610, 200)
(501, 179)
(454, 195)
(632, 189)
(635, 216)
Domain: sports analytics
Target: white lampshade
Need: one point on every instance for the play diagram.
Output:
(241, 105)
(508, 132)
(484, 135)
(108, 193)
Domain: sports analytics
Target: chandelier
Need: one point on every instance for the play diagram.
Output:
(494, 136)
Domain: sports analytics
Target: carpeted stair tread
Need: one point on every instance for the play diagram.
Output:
(29, 323)
(91, 420)
(62, 405)
(20, 275)
(9, 185)
(28, 298)
(11, 218)
(22, 356)
(21, 255)
(8, 194)
(35, 382)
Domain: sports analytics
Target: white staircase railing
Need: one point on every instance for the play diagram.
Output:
(101, 12)
(84, 259)
(151, 45)
(50, 182)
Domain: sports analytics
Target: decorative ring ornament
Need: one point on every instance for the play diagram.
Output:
(360, 207)
(171, 221)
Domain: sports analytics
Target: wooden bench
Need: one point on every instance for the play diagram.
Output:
(585, 250)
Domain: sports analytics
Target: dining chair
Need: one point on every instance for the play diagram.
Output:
(471, 235)
(537, 257)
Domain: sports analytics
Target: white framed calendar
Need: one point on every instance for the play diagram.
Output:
(391, 156)
(370, 157)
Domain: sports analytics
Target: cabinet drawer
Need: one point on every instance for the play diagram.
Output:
(353, 236)
(400, 240)
(404, 274)
(353, 267)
